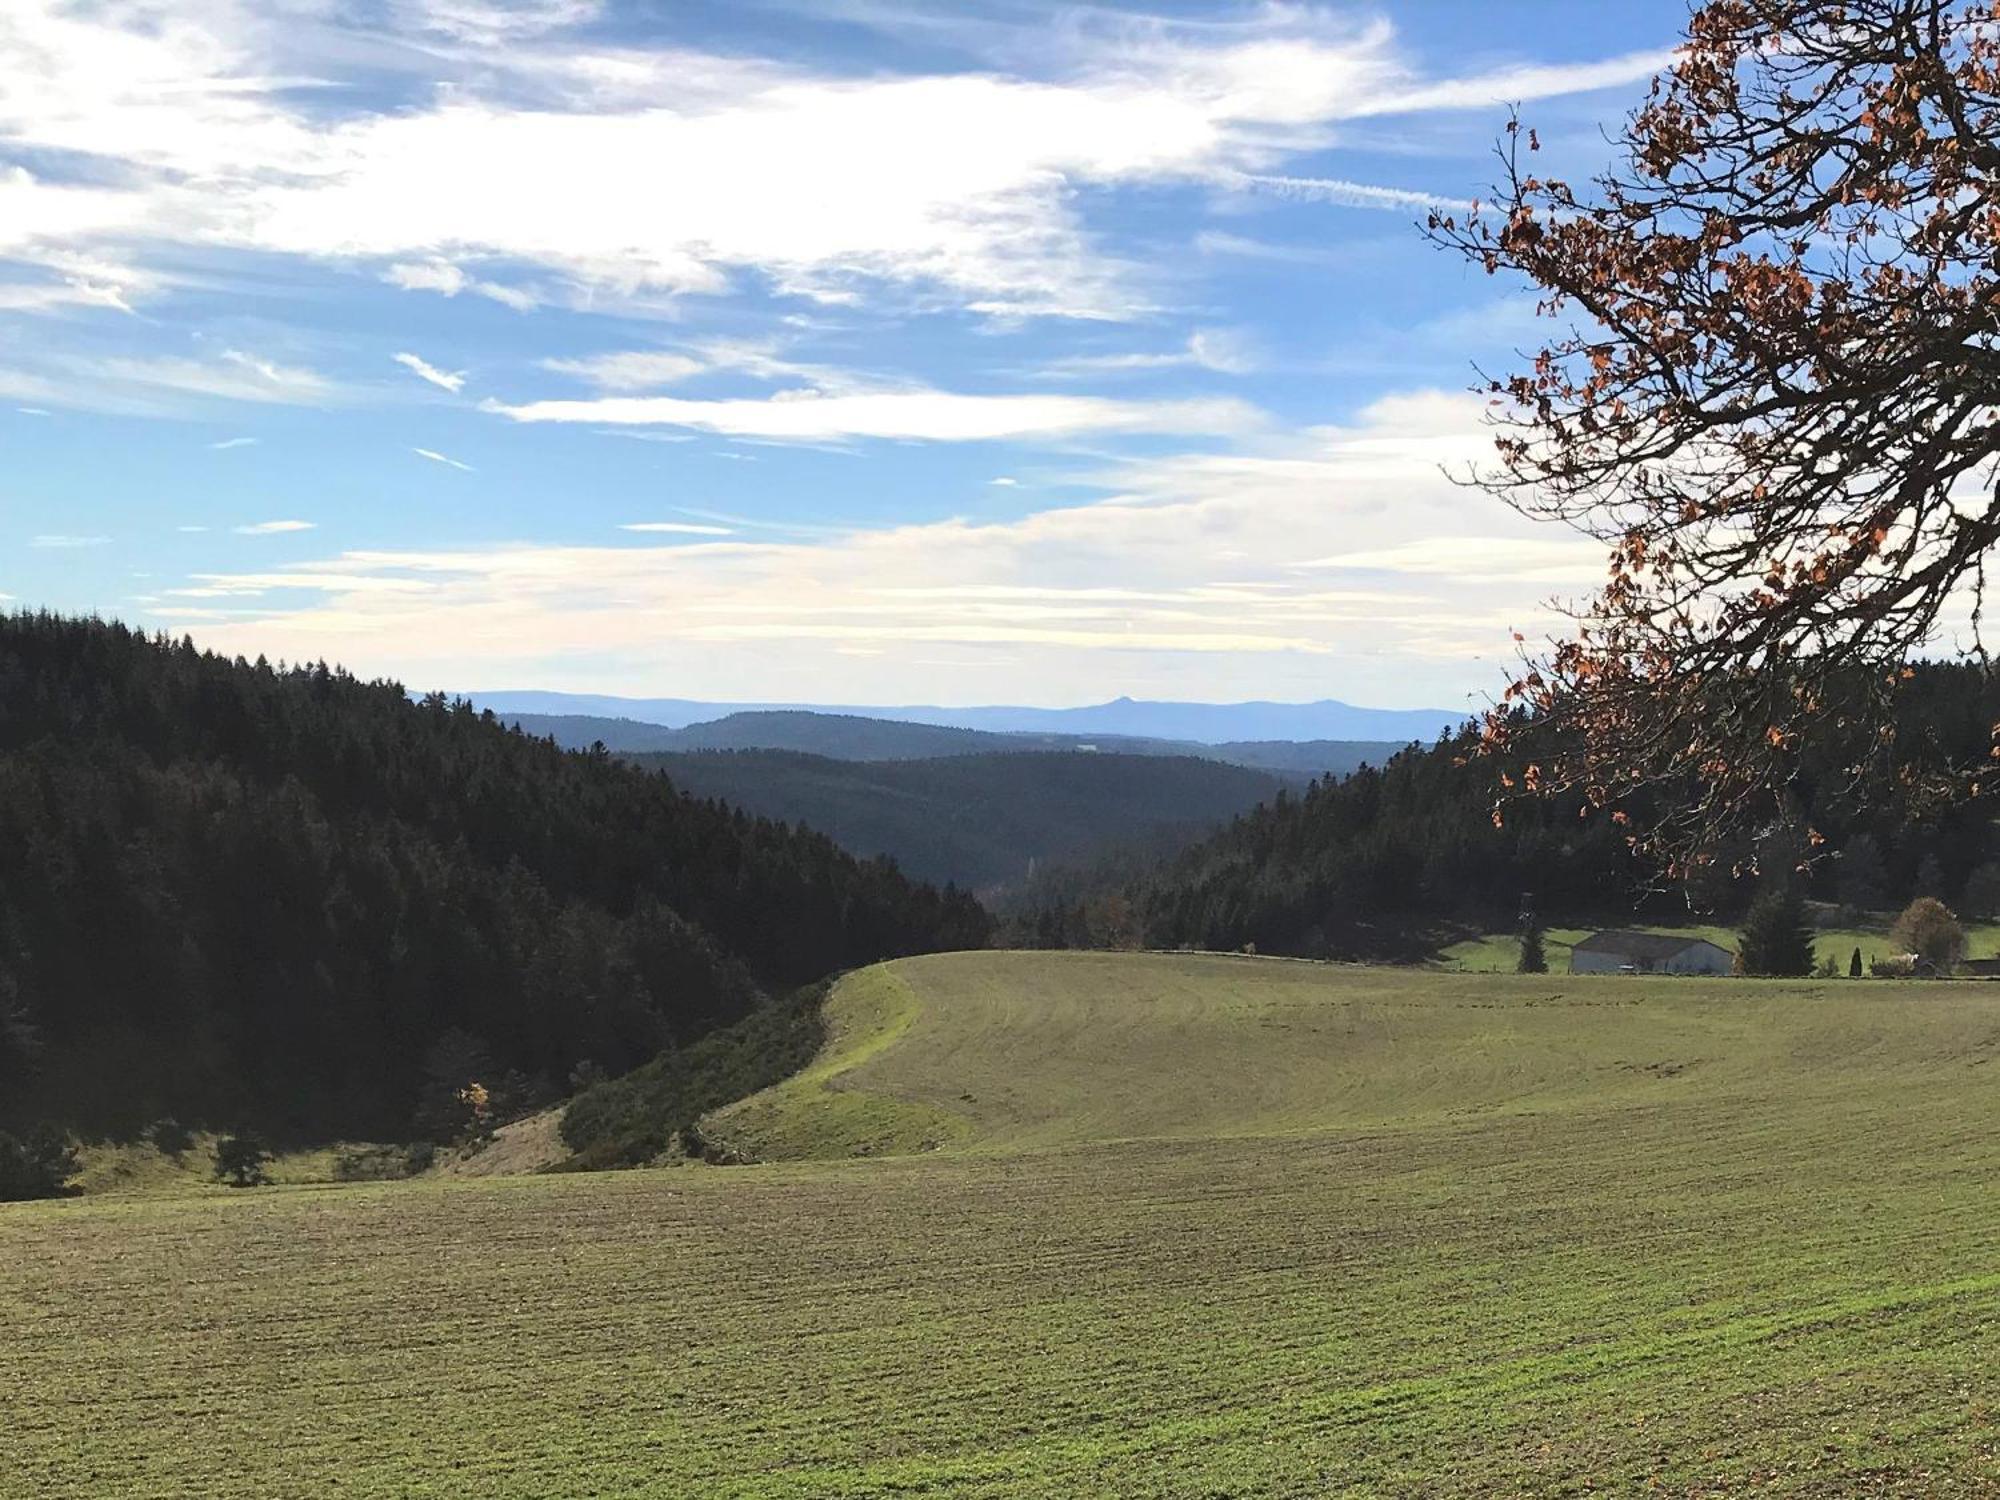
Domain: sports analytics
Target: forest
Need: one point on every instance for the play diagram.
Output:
(241, 893)
(1390, 862)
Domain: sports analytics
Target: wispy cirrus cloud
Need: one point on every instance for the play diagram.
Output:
(424, 370)
(274, 528)
(439, 458)
(924, 415)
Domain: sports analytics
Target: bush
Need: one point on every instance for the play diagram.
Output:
(170, 1137)
(240, 1159)
(630, 1120)
(1928, 929)
(372, 1163)
(37, 1166)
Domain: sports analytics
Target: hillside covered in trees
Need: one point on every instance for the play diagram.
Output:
(1386, 861)
(980, 820)
(234, 892)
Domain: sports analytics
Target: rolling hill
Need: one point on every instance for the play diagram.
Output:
(1045, 1225)
(852, 737)
(233, 893)
(1201, 723)
(980, 820)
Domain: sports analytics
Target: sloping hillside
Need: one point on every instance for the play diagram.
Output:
(235, 893)
(1006, 1051)
(1130, 1225)
(978, 820)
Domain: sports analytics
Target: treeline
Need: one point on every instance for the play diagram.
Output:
(239, 893)
(1386, 862)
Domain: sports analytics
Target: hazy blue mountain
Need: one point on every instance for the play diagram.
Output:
(1201, 723)
(851, 738)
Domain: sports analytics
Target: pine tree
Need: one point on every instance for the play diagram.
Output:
(1533, 959)
(1777, 939)
(1854, 965)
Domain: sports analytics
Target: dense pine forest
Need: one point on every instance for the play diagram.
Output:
(1390, 861)
(239, 893)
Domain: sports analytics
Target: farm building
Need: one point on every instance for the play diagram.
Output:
(1619, 952)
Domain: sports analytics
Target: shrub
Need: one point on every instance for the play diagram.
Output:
(630, 1120)
(39, 1165)
(1928, 929)
(170, 1137)
(371, 1163)
(240, 1159)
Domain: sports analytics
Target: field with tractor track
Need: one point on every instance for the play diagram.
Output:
(1080, 1224)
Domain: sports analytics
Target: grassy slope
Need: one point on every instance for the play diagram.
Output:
(1496, 952)
(1205, 1227)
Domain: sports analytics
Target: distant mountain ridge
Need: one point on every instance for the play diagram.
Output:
(849, 737)
(1199, 723)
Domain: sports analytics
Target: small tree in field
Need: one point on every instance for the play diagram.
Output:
(1533, 959)
(1928, 929)
(240, 1159)
(1777, 939)
(1854, 969)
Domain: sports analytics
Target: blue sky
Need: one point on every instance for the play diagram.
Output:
(856, 352)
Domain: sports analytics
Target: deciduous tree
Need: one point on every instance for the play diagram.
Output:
(1772, 391)
(1929, 929)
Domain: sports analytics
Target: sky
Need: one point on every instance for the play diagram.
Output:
(830, 351)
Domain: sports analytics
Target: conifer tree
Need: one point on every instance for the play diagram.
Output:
(1533, 959)
(1777, 939)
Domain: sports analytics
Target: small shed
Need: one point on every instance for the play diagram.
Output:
(1620, 952)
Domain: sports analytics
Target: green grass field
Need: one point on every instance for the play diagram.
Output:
(1498, 952)
(1120, 1226)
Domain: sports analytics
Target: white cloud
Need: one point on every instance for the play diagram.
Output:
(1218, 349)
(1341, 193)
(1533, 559)
(688, 528)
(164, 385)
(236, 442)
(438, 458)
(423, 369)
(969, 187)
(1184, 580)
(938, 416)
(636, 370)
(274, 528)
(1005, 481)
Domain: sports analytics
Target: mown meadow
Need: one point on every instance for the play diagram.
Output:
(1081, 1224)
